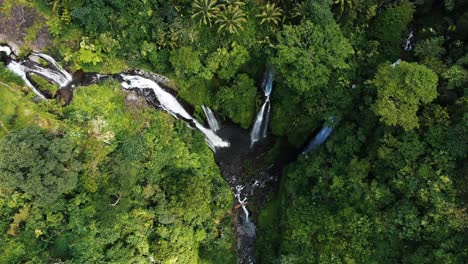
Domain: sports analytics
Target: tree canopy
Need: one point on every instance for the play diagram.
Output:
(39, 164)
(401, 90)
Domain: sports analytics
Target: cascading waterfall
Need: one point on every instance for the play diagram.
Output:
(140, 80)
(55, 65)
(409, 44)
(56, 74)
(321, 136)
(52, 75)
(22, 68)
(242, 202)
(171, 105)
(267, 118)
(211, 118)
(257, 131)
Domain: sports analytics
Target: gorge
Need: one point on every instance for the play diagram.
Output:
(227, 141)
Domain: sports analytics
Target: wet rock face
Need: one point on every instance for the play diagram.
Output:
(246, 238)
(134, 101)
(64, 95)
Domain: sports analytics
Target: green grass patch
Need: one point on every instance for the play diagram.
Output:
(43, 85)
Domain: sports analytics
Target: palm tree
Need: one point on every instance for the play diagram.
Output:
(205, 10)
(271, 14)
(342, 4)
(231, 19)
(233, 3)
(299, 10)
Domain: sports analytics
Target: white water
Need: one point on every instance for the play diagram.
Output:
(257, 131)
(54, 76)
(267, 118)
(58, 76)
(20, 70)
(397, 62)
(242, 202)
(5, 49)
(409, 45)
(267, 84)
(211, 118)
(171, 105)
(51, 60)
(321, 136)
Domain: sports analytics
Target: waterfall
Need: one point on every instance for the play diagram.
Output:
(321, 136)
(20, 70)
(211, 118)
(242, 202)
(267, 118)
(257, 131)
(409, 45)
(170, 104)
(55, 65)
(56, 74)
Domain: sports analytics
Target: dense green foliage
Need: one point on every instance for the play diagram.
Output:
(368, 198)
(37, 165)
(128, 193)
(390, 26)
(401, 89)
(310, 61)
(107, 179)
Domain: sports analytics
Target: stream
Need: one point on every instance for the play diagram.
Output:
(250, 161)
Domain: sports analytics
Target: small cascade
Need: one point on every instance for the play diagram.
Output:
(170, 104)
(54, 74)
(397, 62)
(321, 136)
(259, 123)
(242, 202)
(211, 118)
(55, 65)
(20, 70)
(409, 43)
(6, 50)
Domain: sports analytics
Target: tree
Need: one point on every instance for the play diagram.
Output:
(231, 18)
(343, 3)
(308, 54)
(185, 61)
(430, 48)
(225, 62)
(401, 90)
(310, 66)
(271, 14)
(300, 10)
(205, 10)
(238, 101)
(38, 164)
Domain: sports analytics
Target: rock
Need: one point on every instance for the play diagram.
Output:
(15, 23)
(134, 101)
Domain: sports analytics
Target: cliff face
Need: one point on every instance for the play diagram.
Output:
(23, 27)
